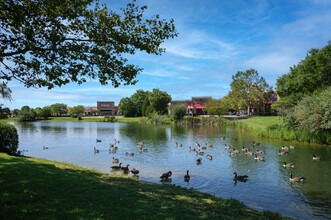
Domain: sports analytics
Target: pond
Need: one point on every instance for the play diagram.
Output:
(268, 186)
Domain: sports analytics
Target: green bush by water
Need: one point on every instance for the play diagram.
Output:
(8, 139)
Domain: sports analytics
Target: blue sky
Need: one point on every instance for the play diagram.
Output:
(216, 39)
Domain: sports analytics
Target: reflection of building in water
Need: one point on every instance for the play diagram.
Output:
(195, 106)
(107, 108)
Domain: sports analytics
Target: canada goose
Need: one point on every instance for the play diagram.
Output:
(291, 147)
(209, 157)
(244, 149)
(209, 145)
(192, 149)
(235, 151)
(222, 138)
(256, 144)
(196, 143)
(249, 153)
(129, 154)
(45, 148)
(140, 143)
(126, 168)
(234, 139)
(316, 158)
(98, 140)
(115, 160)
(240, 178)
(139, 146)
(178, 145)
(260, 151)
(203, 148)
(227, 146)
(199, 152)
(166, 175)
(114, 148)
(288, 165)
(258, 158)
(111, 145)
(198, 160)
(116, 142)
(284, 148)
(96, 150)
(296, 179)
(134, 171)
(143, 150)
(116, 167)
(187, 177)
(111, 151)
(282, 153)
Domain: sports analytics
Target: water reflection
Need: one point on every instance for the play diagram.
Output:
(268, 186)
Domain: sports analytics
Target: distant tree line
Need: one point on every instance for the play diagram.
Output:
(58, 109)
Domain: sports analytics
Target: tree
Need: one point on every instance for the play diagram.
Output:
(46, 112)
(214, 107)
(5, 91)
(48, 43)
(4, 112)
(59, 109)
(311, 75)
(138, 97)
(178, 112)
(94, 112)
(146, 109)
(159, 101)
(248, 89)
(27, 114)
(77, 110)
(38, 111)
(128, 107)
(15, 111)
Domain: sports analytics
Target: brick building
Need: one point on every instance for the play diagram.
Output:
(107, 108)
(195, 106)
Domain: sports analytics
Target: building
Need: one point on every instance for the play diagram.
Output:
(107, 108)
(265, 107)
(195, 106)
(89, 109)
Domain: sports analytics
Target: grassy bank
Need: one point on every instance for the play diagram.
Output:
(34, 188)
(274, 127)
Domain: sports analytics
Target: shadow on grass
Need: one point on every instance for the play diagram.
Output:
(34, 188)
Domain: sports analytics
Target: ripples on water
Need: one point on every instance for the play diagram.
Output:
(268, 186)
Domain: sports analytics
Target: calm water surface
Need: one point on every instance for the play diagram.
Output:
(268, 187)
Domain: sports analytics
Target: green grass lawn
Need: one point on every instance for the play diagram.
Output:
(262, 122)
(32, 188)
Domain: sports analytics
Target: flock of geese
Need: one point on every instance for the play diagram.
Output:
(284, 151)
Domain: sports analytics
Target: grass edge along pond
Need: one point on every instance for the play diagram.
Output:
(37, 188)
(273, 127)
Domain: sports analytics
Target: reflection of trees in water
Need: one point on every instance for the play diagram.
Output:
(137, 132)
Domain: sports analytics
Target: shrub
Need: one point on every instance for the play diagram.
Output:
(108, 119)
(79, 118)
(8, 139)
(178, 112)
(312, 113)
